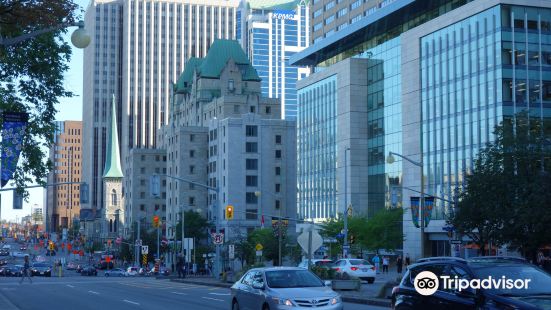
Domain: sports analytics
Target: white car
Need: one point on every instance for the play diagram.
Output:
(19, 254)
(6, 246)
(132, 271)
(355, 268)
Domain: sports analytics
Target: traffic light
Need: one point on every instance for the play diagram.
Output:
(229, 212)
(156, 221)
(351, 239)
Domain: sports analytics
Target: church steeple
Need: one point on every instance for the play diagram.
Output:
(113, 162)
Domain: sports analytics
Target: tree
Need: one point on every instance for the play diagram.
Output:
(31, 76)
(269, 242)
(195, 226)
(382, 231)
(506, 196)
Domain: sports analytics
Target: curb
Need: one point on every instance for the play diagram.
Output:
(221, 284)
(363, 301)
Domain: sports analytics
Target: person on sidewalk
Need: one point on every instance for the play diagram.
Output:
(26, 270)
(386, 262)
(376, 260)
(399, 263)
(179, 268)
(407, 260)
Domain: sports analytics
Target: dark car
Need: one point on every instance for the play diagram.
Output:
(50, 253)
(12, 271)
(3, 262)
(41, 269)
(79, 268)
(23, 248)
(89, 271)
(446, 295)
(4, 252)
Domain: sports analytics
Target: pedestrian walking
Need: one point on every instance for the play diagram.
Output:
(26, 270)
(183, 267)
(407, 260)
(376, 260)
(386, 262)
(179, 268)
(399, 263)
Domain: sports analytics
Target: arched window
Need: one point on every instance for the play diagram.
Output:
(115, 226)
(110, 225)
(114, 197)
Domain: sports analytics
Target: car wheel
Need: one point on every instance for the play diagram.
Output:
(235, 305)
(370, 280)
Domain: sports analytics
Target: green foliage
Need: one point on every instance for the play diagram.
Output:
(323, 272)
(31, 76)
(195, 226)
(269, 242)
(506, 196)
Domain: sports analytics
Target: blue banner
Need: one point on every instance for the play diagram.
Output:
(415, 211)
(427, 211)
(13, 131)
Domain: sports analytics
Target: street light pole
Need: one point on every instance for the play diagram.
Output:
(345, 215)
(390, 159)
(80, 38)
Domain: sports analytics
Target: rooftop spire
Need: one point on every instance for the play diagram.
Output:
(113, 161)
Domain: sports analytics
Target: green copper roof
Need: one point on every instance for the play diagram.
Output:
(112, 160)
(273, 4)
(185, 79)
(218, 55)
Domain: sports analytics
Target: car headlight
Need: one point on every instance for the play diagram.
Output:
(283, 301)
(335, 300)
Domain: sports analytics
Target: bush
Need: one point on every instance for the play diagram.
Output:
(323, 272)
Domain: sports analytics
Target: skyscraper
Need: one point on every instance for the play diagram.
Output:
(62, 202)
(138, 48)
(271, 32)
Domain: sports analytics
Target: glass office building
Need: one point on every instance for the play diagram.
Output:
(271, 32)
(440, 76)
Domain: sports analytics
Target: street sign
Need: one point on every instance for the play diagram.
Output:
(329, 240)
(258, 253)
(346, 247)
(317, 241)
(155, 186)
(218, 238)
(231, 251)
(145, 249)
(456, 242)
(139, 242)
(259, 247)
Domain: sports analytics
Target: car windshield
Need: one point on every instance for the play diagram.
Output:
(292, 278)
(357, 262)
(540, 281)
(40, 265)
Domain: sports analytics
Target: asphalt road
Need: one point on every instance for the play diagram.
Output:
(114, 293)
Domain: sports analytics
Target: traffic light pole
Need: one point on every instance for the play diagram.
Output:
(217, 267)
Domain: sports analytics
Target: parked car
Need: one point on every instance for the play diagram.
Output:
(71, 266)
(355, 268)
(3, 262)
(4, 270)
(19, 254)
(89, 271)
(4, 252)
(132, 271)
(117, 272)
(13, 271)
(536, 296)
(41, 269)
(23, 248)
(317, 262)
(283, 288)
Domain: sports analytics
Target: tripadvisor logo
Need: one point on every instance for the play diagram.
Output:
(426, 283)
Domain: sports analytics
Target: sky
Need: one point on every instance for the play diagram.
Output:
(68, 109)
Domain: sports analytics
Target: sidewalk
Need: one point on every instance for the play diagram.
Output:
(368, 294)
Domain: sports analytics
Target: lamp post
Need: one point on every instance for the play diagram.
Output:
(345, 213)
(80, 37)
(390, 159)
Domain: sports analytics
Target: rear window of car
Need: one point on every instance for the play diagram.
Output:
(327, 263)
(357, 262)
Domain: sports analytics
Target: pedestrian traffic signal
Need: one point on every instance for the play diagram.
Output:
(351, 239)
(156, 221)
(229, 212)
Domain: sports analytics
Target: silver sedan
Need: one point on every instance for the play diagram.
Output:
(282, 288)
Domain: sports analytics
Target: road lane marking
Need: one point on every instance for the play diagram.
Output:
(220, 294)
(131, 302)
(214, 289)
(212, 298)
(179, 293)
(69, 285)
(93, 292)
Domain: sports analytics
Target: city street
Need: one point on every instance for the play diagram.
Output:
(114, 293)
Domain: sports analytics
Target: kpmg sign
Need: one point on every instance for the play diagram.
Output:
(283, 14)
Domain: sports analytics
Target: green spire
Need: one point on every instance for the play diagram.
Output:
(113, 161)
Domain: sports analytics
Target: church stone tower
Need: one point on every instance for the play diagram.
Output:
(113, 216)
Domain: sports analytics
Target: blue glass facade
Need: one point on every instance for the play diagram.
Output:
(317, 150)
(259, 38)
(475, 74)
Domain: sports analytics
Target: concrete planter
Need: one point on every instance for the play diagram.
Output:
(346, 284)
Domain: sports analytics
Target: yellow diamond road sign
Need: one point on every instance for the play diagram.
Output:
(259, 247)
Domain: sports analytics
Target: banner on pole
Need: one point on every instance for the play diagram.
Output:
(13, 131)
(415, 211)
(427, 210)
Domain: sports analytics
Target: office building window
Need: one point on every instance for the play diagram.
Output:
(251, 180)
(251, 147)
(252, 214)
(251, 164)
(277, 188)
(277, 170)
(251, 131)
(191, 201)
(277, 204)
(278, 139)
(278, 154)
(251, 198)
(191, 153)
(191, 169)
